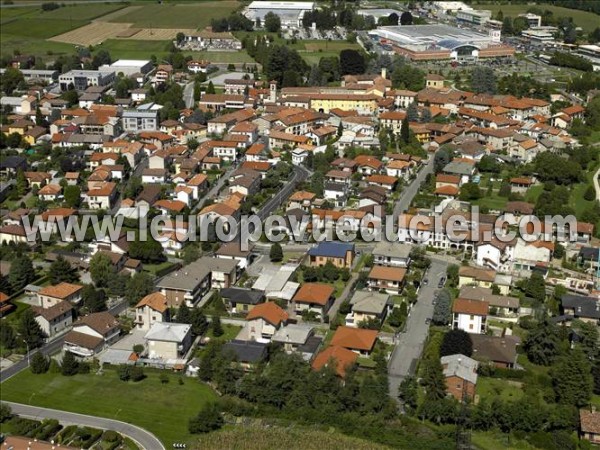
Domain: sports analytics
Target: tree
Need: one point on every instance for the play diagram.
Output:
(405, 130)
(217, 328)
(94, 300)
(433, 379)
(426, 115)
(184, 314)
(39, 363)
(199, 322)
(208, 419)
(276, 252)
(210, 89)
(29, 329)
(101, 269)
(10, 80)
(542, 344)
(406, 18)
(62, 271)
(441, 311)
(148, 251)
(21, 183)
(7, 336)
(412, 112)
(352, 62)
(470, 191)
(272, 22)
(572, 379)
(72, 196)
(483, 80)
(136, 373)
(180, 37)
(441, 159)
(408, 392)
(535, 287)
(69, 365)
(393, 19)
(588, 338)
(5, 412)
(138, 286)
(21, 272)
(456, 342)
(590, 193)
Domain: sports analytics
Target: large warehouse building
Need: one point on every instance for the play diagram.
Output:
(439, 42)
(290, 13)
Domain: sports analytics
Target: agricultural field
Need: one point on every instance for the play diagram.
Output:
(194, 16)
(102, 395)
(586, 20)
(91, 34)
(40, 28)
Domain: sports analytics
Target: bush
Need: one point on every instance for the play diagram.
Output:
(5, 412)
(208, 419)
(110, 436)
(138, 348)
(137, 373)
(39, 364)
(123, 372)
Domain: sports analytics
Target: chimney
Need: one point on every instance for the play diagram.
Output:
(383, 72)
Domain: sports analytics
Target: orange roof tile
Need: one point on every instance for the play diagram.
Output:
(354, 338)
(155, 301)
(316, 293)
(341, 358)
(471, 307)
(270, 312)
(61, 290)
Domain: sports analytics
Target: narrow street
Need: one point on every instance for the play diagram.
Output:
(411, 342)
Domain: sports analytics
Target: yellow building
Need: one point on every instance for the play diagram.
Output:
(364, 104)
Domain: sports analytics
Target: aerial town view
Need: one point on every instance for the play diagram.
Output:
(272, 225)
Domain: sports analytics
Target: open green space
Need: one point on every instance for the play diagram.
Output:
(495, 440)
(40, 28)
(586, 20)
(272, 437)
(489, 388)
(177, 15)
(161, 408)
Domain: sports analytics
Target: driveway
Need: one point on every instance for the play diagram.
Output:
(143, 438)
(411, 342)
(409, 192)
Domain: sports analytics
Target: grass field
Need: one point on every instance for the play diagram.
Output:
(197, 16)
(586, 20)
(275, 437)
(40, 28)
(148, 403)
(489, 388)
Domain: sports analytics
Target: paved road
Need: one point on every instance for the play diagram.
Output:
(143, 438)
(188, 95)
(410, 344)
(411, 190)
(343, 296)
(299, 174)
(49, 349)
(597, 185)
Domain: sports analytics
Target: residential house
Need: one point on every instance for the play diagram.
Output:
(102, 197)
(51, 295)
(340, 254)
(263, 321)
(151, 309)
(359, 340)
(581, 307)
(368, 306)
(460, 373)
(388, 279)
(338, 357)
(314, 298)
(187, 284)
(299, 338)
(50, 192)
(500, 351)
(54, 319)
(241, 300)
(470, 315)
(301, 200)
(233, 251)
(502, 305)
(393, 254)
(589, 425)
(475, 276)
(17, 234)
(247, 353)
(92, 333)
(168, 340)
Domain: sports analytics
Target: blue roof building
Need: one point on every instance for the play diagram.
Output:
(341, 254)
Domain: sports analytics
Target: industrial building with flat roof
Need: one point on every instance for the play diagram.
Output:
(439, 42)
(290, 13)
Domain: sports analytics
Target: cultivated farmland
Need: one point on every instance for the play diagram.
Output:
(182, 15)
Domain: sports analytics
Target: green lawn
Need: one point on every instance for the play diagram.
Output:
(577, 201)
(491, 201)
(70, 12)
(533, 193)
(586, 20)
(162, 409)
(489, 388)
(40, 28)
(495, 440)
(172, 15)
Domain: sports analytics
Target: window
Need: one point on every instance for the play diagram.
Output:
(472, 317)
(470, 326)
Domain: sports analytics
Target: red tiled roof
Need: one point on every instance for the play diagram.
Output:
(270, 312)
(341, 358)
(354, 338)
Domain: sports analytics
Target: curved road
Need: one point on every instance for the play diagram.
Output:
(596, 185)
(143, 438)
